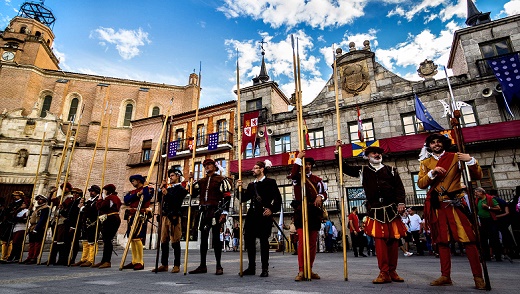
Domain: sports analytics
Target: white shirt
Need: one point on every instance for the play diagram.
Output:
(415, 222)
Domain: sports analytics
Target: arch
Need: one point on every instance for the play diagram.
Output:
(156, 110)
(73, 104)
(73, 109)
(126, 113)
(38, 34)
(46, 102)
(23, 30)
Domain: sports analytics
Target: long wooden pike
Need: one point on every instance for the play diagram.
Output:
(192, 172)
(340, 163)
(33, 192)
(239, 125)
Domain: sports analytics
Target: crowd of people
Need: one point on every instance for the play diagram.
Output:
(448, 218)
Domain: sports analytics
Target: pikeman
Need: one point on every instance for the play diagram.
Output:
(316, 193)
(62, 229)
(108, 207)
(72, 218)
(7, 223)
(214, 191)
(87, 225)
(265, 200)
(132, 200)
(385, 202)
(171, 231)
(37, 222)
(445, 207)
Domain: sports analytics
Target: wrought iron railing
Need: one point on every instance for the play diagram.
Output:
(482, 64)
(223, 138)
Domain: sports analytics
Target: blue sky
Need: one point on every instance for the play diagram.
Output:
(163, 41)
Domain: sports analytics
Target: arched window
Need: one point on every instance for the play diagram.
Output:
(38, 34)
(156, 111)
(23, 30)
(46, 106)
(73, 108)
(128, 114)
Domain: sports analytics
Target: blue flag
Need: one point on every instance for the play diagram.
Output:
(172, 148)
(507, 71)
(425, 117)
(213, 141)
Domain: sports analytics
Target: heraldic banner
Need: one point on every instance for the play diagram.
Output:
(250, 129)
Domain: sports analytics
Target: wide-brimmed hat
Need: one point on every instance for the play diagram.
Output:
(110, 188)
(67, 185)
(77, 190)
(374, 149)
(42, 197)
(208, 161)
(95, 188)
(446, 142)
(310, 160)
(18, 193)
(176, 171)
(138, 178)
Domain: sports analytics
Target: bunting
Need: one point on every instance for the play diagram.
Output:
(358, 148)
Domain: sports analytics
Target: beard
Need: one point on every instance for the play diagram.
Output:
(374, 160)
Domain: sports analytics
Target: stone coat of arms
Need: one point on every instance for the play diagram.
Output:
(354, 78)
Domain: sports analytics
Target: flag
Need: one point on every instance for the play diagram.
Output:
(250, 129)
(266, 137)
(507, 71)
(213, 141)
(360, 134)
(190, 143)
(307, 138)
(358, 148)
(425, 117)
(289, 157)
(280, 223)
(172, 148)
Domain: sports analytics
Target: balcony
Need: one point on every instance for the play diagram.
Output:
(482, 64)
(140, 158)
(184, 149)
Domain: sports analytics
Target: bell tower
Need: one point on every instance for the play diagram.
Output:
(28, 38)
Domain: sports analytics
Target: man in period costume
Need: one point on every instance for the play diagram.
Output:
(61, 236)
(385, 195)
(37, 221)
(108, 208)
(87, 225)
(171, 230)
(214, 193)
(72, 219)
(445, 207)
(265, 200)
(316, 193)
(132, 200)
(7, 223)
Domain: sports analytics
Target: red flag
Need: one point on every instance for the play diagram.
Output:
(250, 129)
(361, 136)
(266, 137)
(307, 139)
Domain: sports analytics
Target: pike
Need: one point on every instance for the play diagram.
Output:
(459, 138)
(240, 219)
(194, 149)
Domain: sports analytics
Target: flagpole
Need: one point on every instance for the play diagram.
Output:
(33, 193)
(192, 172)
(340, 164)
(459, 138)
(239, 125)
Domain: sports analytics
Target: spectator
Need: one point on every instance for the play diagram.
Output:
(415, 229)
(487, 208)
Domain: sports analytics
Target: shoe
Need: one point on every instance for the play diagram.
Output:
(30, 261)
(176, 269)
(408, 254)
(480, 283)
(138, 266)
(162, 268)
(299, 277)
(442, 281)
(363, 254)
(249, 272)
(98, 264)
(78, 263)
(382, 278)
(220, 271)
(265, 273)
(395, 277)
(86, 264)
(315, 276)
(105, 265)
(199, 270)
(129, 266)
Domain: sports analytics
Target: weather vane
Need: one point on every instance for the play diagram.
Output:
(262, 45)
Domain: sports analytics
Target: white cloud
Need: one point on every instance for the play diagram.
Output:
(512, 7)
(460, 10)
(413, 10)
(358, 39)
(127, 42)
(315, 13)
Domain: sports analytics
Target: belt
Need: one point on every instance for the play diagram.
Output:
(451, 195)
(112, 213)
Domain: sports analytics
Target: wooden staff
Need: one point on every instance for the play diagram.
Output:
(149, 175)
(67, 172)
(340, 163)
(239, 122)
(455, 123)
(58, 178)
(192, 172)
(88, 178)
(33, 193)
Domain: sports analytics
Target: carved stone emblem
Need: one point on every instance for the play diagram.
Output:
(427, 69)
(354, 79)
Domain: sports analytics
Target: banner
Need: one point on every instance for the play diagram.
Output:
(250, 130)
(507, 71)
(172, 148)
(212, 141)
(266, 137)
(358, 148)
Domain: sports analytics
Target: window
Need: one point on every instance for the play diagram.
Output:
(255, 104)
(282, 144)
(179, 137)
(156, 111)
(199, 171)
(468, 118)
(147, 150)
(222, 129)
(514, 106)
(249, 151)
(23, 30)
(201, 135)
(316, 138)
(368, 129)
(419, 193)
(487, 179)
(495, 47)
(411, 125)
(129, 109)
(287, 196)
(222, 163)
(46, 106)
(73, 109)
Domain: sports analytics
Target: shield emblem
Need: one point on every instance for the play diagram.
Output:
(247, 131)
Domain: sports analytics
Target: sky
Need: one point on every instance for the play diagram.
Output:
(163, 41)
